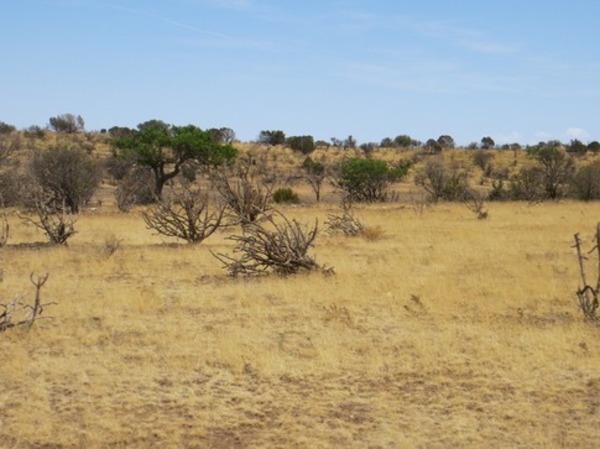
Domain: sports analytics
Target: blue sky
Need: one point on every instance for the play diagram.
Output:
(518, 71)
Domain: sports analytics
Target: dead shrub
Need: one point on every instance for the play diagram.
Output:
(279, 246)
(587, 294)
(58, 225)
(136, 188)
(246, 199)
(185, 213)
(346, 223)
(475, 203)
(18, 313)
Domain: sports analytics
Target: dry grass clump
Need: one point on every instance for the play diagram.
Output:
(449, 332)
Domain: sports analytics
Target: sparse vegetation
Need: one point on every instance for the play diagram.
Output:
(417, 314)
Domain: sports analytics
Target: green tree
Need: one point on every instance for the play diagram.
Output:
(487, 143)
(165, 149)
(386, 142)
(6, 129)
(433, 146)
(446, 141)
(272, 138)
(577, 146)
(67, 123)
(404, 141)
(594, 146)
(315, 175)
(367, 179)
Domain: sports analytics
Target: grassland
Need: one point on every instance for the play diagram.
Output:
(442, 331)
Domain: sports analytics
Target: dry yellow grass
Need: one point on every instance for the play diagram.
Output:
(444, 331)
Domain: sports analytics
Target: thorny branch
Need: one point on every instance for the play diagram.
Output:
(17, 313)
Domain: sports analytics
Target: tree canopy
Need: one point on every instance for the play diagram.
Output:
(165, 149)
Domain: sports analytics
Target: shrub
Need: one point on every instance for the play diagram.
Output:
(17, 313)
(556, 167)
(303, 144)
(586, 182)
(482, 159)
(527, 185)
(346, 223)
(136, 188)
(67, 123)
(68, 176)
(56, 224)
(587, 294)
(245, 198)
(272, 137)
(279, 246)
(285, 195)
(442, 182)
(314, 174)
(11, 184)
(368, 180)
(184, 213)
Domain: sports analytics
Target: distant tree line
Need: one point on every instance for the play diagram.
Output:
(64, 172)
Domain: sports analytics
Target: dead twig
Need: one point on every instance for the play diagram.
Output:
(588, 295)
(346, 224)
(18, 313)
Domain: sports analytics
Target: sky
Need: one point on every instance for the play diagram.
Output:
(515, 70)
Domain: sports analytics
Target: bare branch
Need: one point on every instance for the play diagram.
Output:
(17, 313)
(57, 225)
(282, 248)
(346, 224)
(246, 198)
(587, 295)
(184, 214)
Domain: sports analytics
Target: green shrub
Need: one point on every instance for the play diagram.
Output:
(285, 195)
(368, 180)
(302, 144)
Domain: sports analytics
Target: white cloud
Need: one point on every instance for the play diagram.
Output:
(577, 133)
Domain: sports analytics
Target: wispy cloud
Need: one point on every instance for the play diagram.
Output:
(226, 4)
(432, 77)
(206, 37)
(467, 38)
